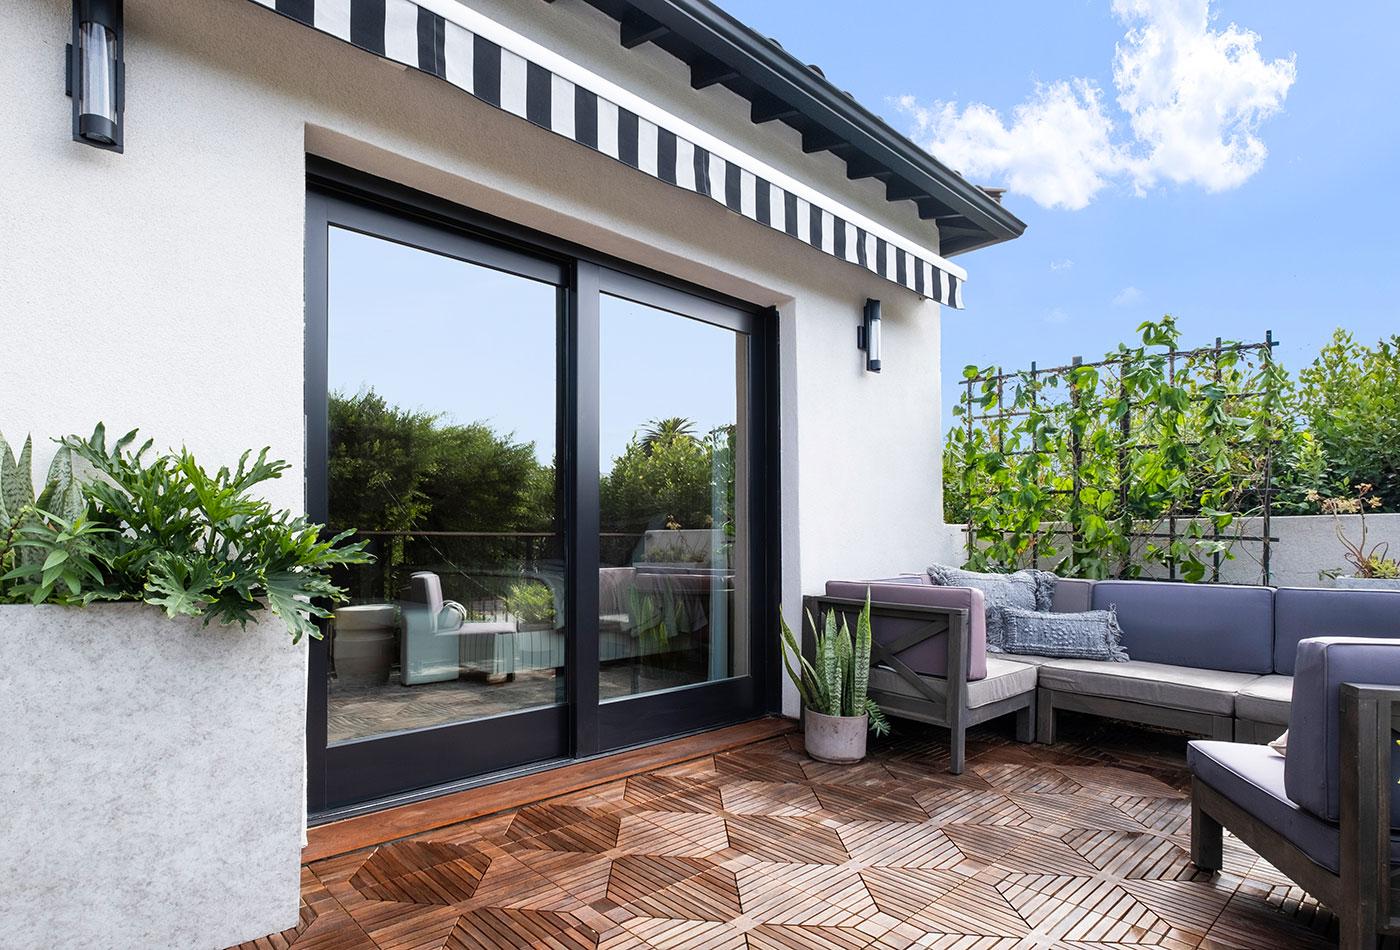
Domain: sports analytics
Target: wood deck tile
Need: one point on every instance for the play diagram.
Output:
(756, 847)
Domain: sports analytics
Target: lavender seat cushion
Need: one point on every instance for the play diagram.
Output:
(1206, 626)
(1313, 773)
(1252, 776)
(1301, 612)
(929, 658)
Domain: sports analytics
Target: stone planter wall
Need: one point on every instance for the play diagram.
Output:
(152, 780)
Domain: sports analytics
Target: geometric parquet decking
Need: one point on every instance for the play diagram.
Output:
(1081, 845)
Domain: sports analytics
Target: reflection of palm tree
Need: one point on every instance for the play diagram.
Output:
(666, 431)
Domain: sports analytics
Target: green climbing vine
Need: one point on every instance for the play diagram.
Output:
(1141, 462)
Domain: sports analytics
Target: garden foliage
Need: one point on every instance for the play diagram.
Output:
(159, 528)
(1087, 463)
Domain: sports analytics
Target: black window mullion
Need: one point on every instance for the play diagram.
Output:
(582, 384)
(316, 452)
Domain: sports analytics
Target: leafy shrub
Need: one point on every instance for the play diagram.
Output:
(160, 529)
(1349, 400)
(530, 602)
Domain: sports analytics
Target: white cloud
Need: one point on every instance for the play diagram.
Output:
(1063, 263)
(1192, 98)
(1127, 297)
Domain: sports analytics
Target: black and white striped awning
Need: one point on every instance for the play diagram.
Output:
(498, 66)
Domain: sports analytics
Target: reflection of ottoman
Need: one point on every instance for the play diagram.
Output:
(539, 646)
(362, 638)
(488, 647)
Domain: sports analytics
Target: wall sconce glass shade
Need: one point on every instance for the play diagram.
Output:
(95, 73)
(868, 335)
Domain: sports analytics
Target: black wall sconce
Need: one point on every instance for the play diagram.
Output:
(96, 73)
(868, 336)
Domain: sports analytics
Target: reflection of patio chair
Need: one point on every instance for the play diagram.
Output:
(438, 641)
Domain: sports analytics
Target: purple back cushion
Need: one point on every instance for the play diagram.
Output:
(1312, 770)
(1301, 612)
(1205, 626)
(930, 657)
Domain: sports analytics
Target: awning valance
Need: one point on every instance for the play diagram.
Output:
(504, 69)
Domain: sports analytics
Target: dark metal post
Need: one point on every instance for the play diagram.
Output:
(1124, 467)
(967, 467)
(1076, 459)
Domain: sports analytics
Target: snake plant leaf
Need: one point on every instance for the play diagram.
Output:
(16, 481)
(860, 662)
(828, 650)
(844, 651)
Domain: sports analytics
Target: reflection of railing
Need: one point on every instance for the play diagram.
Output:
(477, 568)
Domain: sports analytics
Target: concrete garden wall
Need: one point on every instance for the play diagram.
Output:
(152, 785)
(1307, 545)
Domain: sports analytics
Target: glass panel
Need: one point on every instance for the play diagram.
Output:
(97, 94)
(673, 580)
(443, 435)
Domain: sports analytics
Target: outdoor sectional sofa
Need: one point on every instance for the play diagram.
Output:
(1212, 660)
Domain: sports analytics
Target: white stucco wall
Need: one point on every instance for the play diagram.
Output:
(162, 288)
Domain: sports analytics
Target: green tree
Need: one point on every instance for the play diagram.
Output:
(381, 458)
(1349, 399)
(666, 486)
(662, 431)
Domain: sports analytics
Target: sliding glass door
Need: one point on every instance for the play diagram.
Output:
(675, 613)
(553, 463)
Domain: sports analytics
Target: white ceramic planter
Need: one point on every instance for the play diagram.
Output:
(1368, 583)
(152, 793)
(839, 740)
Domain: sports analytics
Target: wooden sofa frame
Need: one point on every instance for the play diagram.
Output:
(951, 710)
(1361, 895)
(1210, 725)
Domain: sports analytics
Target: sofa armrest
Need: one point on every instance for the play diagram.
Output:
(951, 624)
(928, 657)
(1370, 716)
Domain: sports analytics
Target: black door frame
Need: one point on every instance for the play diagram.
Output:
(358, 777)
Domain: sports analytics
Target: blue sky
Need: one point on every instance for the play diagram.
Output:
(435, 334)
(1304, 243)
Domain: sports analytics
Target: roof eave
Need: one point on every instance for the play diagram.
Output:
(782, 87)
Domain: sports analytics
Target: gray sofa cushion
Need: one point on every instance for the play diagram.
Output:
(1252, 776)
(1073, 595)
(1265, 699)
(1207, 626)
(1302, 612)
(1313, 772)
(929, 657)
(1156, 684)
(1091, 635)
(1028, 590)
(1005, 678)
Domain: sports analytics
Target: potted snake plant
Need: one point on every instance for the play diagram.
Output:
(839, 713)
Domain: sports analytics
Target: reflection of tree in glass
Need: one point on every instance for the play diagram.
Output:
(666, 477)
(665, 431)
(397, 470)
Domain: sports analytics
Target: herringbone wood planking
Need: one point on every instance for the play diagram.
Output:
(1082, 845)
